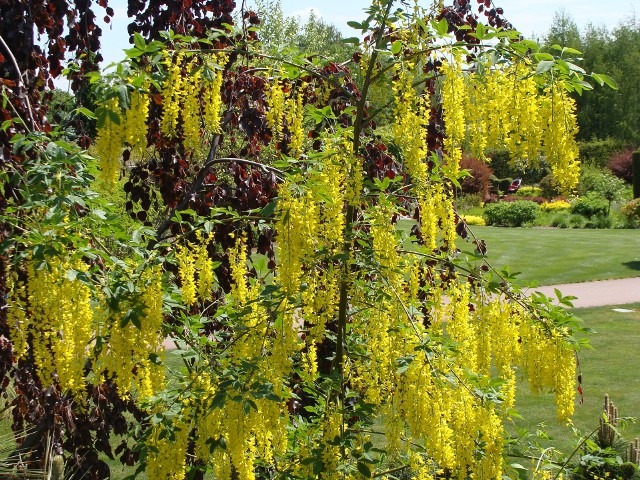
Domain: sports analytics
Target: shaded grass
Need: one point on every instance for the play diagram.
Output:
(610, 368)
(553, 256)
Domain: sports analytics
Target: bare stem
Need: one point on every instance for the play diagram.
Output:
(20, 80)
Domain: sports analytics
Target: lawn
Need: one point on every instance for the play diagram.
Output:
(610, 368)
(552, 256)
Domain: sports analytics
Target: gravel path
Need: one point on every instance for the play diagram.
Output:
(599, 293)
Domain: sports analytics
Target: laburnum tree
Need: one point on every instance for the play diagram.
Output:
(305, 264)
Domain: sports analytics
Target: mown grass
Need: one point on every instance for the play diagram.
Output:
(551, 256)
(611, 367)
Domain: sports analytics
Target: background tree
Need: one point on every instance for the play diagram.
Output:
(606, 113)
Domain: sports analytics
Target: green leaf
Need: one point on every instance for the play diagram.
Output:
(138, 41)
(356, 25)
(133, 52)
(269, 209)
(86, 112)
(570, 50)
(543, 56)
(441, 27)
(124, 97)
(396, 47)
(603, 79)
(364, 470)
(353, 40)
(544, 66)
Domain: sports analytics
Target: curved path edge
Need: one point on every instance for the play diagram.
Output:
(598, 293)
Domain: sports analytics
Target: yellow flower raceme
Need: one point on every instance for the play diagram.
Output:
(109, 144)
(172, 94)
(135, 126)
(126, 355)
(195, 270)
(559, 126)
(212, 97)
(17, 317)
(276, 98)
(454, 98)
(168, 457)
(190, 111)
(51, 314)
(409, 129)
(295, 108)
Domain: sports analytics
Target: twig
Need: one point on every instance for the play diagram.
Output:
(20, 80)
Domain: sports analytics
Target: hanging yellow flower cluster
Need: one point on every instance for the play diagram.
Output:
(454, 95)
(134, 353)
(286, 108)
(559, 125)
(109, 144)
(410, 127)
(186, 92)
(122, 126)
(437, 216)
(172, 93)
(195, 270)
(185, 89)
(55, 311)
(135, 124)
(212, 88)
(424, 375)
(249, 428)
(503, 106)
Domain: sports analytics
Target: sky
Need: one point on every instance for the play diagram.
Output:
(531, 17)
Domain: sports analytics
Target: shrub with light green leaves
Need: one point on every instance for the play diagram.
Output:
(590, 206)
(511, 214)
(631, 212)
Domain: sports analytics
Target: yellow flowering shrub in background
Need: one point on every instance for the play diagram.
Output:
(555, 206)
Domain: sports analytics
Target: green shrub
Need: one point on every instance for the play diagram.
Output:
(529, 191)
(501, 184)
(576, 221)
(599, 221)
(466, 202)
(511, 214)
(548, 187)
(631, 212)
(561, 220)
(590, 206)
(596, 153)
(600, 182)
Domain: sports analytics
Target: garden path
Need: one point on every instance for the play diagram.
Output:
(599, 293)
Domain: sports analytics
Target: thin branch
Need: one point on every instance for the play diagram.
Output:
(20, 80)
